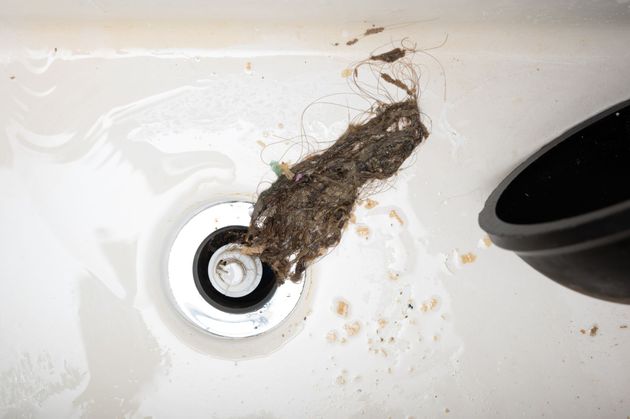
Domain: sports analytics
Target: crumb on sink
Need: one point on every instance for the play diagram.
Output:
(429, 305)
(372, 31)
(352, 329)
(469, 257)
(591, 332)
(393, 214)
(363, 231)
(370, 203)
(485, 242)
(342, 307)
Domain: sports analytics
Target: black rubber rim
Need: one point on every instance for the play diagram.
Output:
(581, 230)
(250, 302)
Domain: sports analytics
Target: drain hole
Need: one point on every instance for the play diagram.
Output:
(229, 270)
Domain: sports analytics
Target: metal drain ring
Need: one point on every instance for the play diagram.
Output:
(190, 303)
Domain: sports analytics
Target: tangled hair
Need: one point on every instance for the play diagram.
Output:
(304, 212)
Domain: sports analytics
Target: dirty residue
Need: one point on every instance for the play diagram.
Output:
(341, 307)
(248, 67)
(331, 337)
(260, 143)
(375, 30)
(467, 258)
(370, 203)
(346, 72)
(389, 56)
(363, 231)
(398, 83)
(485, 242)
(286, 170)
(352, 329)
(342, 378)
(591, 332)
(393, 276)
(429, 305)
(370, 31)
(393, 214)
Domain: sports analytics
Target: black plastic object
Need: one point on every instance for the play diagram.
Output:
(566, 209)
(247, 303)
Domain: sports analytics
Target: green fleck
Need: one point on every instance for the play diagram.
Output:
(275, 166)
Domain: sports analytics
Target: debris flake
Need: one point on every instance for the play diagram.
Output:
(352, 329)
(468, 258)
(373, 31)
(393, 214)
(370, 203)
(342, 307)
(363, 231)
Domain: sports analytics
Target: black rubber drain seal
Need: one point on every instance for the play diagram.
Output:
(250, 302)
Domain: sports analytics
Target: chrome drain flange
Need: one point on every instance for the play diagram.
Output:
(220, 289)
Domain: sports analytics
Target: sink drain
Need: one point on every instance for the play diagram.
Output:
(226, 278)
(215, 286)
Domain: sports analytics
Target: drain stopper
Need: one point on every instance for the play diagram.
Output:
(232, 273)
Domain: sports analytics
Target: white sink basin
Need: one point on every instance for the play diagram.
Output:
(119, 120)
